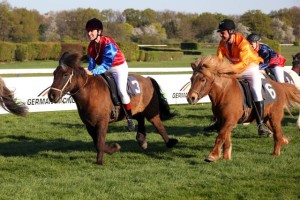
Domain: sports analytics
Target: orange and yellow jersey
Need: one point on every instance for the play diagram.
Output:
(240, 53)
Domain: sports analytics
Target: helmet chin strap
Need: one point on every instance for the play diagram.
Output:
(98, 35)
(230, 32)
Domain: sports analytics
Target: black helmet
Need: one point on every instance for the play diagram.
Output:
(94, 24)
(253, 38)
(226, 24)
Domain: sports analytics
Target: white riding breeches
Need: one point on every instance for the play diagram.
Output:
(120, 74)
(252, 75)
(279, 73)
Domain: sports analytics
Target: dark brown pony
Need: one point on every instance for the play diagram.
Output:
(296, 63)
(94, 104)
(9, 103)
(216, 78)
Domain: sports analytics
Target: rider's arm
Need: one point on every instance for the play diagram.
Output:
(110, 52)
(92, 63)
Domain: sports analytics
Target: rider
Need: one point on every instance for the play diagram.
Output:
(237, 49)
(105, 55)
(272, 59)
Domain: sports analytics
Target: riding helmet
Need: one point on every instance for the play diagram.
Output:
(94, 24)
(226, 24)
(253, 38)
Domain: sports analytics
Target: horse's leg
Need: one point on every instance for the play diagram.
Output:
(223, 140)
(98, 135)
(298, 120)
(141, 131)
(92, 132)
(279, 138)
(157, 123)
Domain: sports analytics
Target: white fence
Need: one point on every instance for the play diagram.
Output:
(33, 90)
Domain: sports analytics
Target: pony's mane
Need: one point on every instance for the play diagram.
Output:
(215, 65)
(72, 60)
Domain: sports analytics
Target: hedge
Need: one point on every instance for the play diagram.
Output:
(159, 55)
(7, 51)
(273, 44)
(52, 51)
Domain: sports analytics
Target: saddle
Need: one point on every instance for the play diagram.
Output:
(133, 88)
(268, 93)
(269, 74)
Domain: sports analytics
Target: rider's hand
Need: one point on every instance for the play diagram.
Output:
(87, 71)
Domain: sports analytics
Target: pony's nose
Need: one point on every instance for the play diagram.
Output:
(192, 99)
(51, 96)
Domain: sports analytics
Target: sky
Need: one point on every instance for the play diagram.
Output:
(226, 7)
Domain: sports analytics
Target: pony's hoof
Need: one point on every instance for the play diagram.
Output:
(171, 143)
(113, 148)
(141, 139)
(209, 159)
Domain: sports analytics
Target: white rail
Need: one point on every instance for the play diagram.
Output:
(49, 70)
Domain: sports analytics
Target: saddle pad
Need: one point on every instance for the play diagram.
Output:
(133, 87)
(268, 92)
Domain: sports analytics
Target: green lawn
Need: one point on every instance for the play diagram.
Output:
(51, 156)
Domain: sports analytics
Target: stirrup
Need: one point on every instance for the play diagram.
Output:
(212, 127)
(131, 126)
(264, 130)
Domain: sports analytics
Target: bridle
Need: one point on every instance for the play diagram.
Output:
(199, 93)
(66, 84)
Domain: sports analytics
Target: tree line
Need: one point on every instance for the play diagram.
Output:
(143, 26)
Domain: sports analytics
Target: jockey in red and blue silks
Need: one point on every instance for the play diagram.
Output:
(105, 55)
(272, 59)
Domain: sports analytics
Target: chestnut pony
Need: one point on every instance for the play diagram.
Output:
(94, 103)
(8, 101)
(217, 79)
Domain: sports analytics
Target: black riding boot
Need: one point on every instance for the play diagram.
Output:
(131, 126)
(260, 118)
(214, 126)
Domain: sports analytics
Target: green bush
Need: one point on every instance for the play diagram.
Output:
(130, 50)
(73, 47)
(21, 53)
(7, 51)
(161, 55)
(55, 51)
(273, 44)
(297, 43)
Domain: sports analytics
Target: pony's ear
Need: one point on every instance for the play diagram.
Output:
(64, 55)
(193, 65)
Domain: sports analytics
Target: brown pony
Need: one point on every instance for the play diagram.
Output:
(9, 103)
(296, 63)
(95, 107)
(217, 79)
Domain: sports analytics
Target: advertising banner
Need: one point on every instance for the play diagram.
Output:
(33, 91)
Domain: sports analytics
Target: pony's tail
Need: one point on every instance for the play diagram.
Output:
(8, 102)
(164, 108)
(292, 94)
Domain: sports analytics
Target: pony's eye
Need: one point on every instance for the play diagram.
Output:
(66, 75)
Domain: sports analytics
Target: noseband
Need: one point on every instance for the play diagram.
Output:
(199, 93)
(69, 81)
